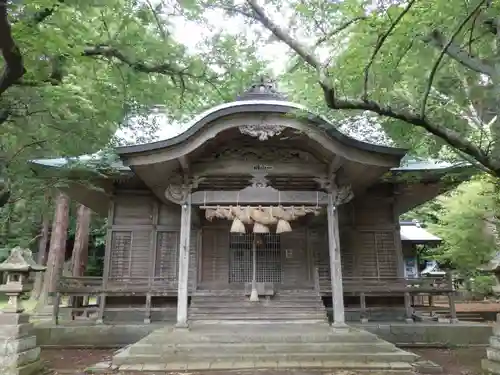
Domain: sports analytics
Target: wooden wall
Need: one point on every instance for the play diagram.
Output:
(371, 243)
(144, 240)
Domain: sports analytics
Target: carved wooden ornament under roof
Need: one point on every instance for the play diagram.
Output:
(262, 131)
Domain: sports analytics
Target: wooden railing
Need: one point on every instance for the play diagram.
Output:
(408, 288)
(391, 285)
(87, 295)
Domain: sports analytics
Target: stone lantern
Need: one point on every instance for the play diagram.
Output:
(19, 353)
(18, 266)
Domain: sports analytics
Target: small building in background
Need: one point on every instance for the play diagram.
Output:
(412, 235)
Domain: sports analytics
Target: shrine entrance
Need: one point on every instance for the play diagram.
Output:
(269, 260)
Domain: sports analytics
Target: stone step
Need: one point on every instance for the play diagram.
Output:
(399, 356)
(230, 308)
(393, 368)
(252, 322)
(260, 302)
(257, 316)
(209, 349)
(227, 334)
(312, 297)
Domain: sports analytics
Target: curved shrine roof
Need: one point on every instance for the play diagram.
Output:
(261, 97)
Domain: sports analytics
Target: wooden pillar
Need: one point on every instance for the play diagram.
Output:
(408, 309)
(182, 289)
(107, 262)
(362, 303)
(335, 265)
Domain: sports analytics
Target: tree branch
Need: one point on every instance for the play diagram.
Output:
(454, 51)
(45, 13)
(22, 148)
(451, 137)
(327, 36)
(170, 69)
(441, 55)
(301, 50)
(380, 43)
(139, 66)
(14, 67)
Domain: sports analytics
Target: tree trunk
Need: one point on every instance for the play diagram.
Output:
(81, 246)
(56, 251)
(42, 256)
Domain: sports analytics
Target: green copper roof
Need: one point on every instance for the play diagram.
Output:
(95, 161)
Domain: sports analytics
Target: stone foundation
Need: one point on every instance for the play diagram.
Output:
(19, 354)
(431, 334)
(89, 335)
(492, 363)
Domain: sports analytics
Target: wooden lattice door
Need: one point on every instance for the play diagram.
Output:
(268, 258)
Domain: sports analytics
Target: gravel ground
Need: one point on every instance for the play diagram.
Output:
(455, 362)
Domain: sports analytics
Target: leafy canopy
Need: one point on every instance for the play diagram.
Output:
(421, 67)
(468, 226)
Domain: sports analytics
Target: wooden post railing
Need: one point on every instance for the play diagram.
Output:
(408, 308)
(451, 298)
(316, 280)
(362, 302)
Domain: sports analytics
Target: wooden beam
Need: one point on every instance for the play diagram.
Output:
(184, 162)
(335, 165)
(239, 167)
(259, 195)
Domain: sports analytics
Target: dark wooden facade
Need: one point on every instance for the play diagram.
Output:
(145, 243)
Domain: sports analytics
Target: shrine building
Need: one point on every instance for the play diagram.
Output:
(259, 200)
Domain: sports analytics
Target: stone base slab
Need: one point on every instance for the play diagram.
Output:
(13, 319)
(490, 367)
(15, 331)
(33, 368)
(14, 346)
(20, 359)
